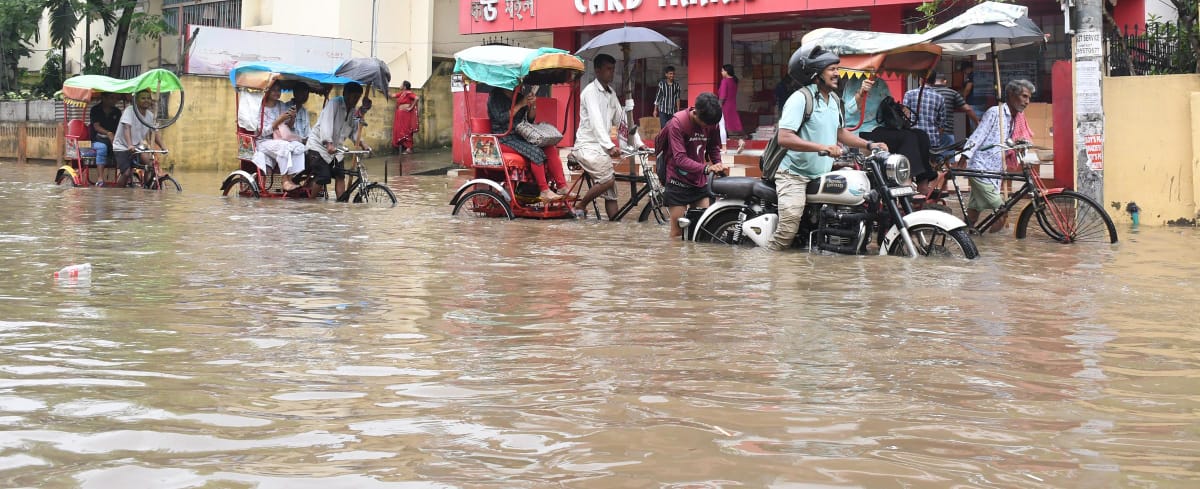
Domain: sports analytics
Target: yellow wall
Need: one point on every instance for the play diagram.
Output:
(205, 136)
(1152, 147)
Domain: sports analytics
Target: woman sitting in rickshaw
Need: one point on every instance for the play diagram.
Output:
(908, 141)
(501, 110)
(277, 140)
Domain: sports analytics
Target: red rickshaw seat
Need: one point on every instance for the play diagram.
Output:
(76, 132)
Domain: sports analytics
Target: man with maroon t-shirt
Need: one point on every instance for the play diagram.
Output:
(690, 144)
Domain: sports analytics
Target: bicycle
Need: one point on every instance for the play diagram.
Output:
(651, 189)
(373, 193)
(150, 175)
(1064, 215)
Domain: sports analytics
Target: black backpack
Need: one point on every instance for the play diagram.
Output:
(773, 154)
(894, 115)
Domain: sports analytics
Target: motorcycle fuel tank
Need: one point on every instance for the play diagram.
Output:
(841, 187)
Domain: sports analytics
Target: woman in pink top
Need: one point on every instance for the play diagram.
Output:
(727, 92)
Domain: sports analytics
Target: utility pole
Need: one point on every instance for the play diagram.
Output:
(374, 26)
(1089, 107)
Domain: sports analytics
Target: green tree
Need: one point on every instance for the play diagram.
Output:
(64, 18)
(92, 11)
(18, 31)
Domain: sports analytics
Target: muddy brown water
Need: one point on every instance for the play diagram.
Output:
(283, 344)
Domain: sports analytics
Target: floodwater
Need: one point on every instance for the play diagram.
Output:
(288, 344)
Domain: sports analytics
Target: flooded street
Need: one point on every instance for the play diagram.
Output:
(225, 343)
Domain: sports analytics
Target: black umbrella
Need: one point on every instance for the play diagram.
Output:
(996, 35)
(368, 71)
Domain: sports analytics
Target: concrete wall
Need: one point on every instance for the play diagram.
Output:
(1152, 147)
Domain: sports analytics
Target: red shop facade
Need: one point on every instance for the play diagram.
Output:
(755, 36)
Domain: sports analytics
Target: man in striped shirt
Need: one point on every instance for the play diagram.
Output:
(667, 101)
(954, 103)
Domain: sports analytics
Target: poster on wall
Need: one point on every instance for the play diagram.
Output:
(214, 50)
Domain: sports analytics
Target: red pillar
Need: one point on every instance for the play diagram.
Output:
(1064, 125)
(567, 95)
(703, 57)
(889, 18)
(1130, 13)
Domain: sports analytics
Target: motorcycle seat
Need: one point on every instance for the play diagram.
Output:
(745, 187)
(735, 187)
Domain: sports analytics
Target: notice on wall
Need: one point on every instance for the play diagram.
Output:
(1087, 87)
(1094, 145)
(214, 50)
(1088, 44)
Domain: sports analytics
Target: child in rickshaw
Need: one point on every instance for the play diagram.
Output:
(277, 139)
(334, 126)
(131, 132)
(502, 110)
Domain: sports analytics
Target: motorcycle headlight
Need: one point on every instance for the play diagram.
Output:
(898, 170)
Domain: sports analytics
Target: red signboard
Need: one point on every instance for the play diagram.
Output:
(484, 16)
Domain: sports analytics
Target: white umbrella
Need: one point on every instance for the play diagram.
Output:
(628, 44)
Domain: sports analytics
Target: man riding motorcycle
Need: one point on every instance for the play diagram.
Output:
(813, 144)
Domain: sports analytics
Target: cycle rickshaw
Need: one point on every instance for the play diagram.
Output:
(251, 80)
(82, 92)
(503, 184)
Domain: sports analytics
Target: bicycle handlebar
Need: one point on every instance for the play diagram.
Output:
(149, 151)
(345, 151)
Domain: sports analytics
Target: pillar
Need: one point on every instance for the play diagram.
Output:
(889, 18)
(703, 58)
(567, 95)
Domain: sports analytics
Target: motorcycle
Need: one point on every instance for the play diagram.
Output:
(843, 210)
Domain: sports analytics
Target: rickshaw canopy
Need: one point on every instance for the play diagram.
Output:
(866, 53)
(79, 90)
(509, 66)
(261, 74)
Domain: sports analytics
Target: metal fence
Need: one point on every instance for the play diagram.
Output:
(1157, 49)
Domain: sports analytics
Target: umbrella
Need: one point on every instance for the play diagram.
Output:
(369, 71)
(1005, 34)
(628, 43)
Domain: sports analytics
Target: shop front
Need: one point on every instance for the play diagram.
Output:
(755, 36)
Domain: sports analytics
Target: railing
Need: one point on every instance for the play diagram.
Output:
(1157, 49)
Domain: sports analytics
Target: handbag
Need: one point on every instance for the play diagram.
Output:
(894, 115)
(541, 134)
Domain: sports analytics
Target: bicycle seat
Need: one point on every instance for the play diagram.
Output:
(955, 146)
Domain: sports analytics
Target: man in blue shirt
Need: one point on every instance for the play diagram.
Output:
(817, 69)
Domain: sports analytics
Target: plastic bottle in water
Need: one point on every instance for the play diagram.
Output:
(75, 271)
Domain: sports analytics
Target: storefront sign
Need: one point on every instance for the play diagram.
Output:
(507, 15)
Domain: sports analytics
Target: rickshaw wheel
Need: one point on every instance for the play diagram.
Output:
(376, 195)
(155, 124)
(166, 183)
(64, 178)
(483, 203)
(239, 186)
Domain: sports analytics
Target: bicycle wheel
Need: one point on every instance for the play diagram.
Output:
(659, 212)
(166, 182)
(239, 186)
(482, 203)
(64, 177)
(930, 240)
(723, 229)
(1069, 217)
(376, 195)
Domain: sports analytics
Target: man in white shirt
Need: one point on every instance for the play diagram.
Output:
(131, 132)
(334, 126)
(599, 112)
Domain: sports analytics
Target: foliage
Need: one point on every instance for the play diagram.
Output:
(18, 30)
(933, 9)
(148, 27)
(53, 74)
(64, 17)
(1162, 48)
(93, 61)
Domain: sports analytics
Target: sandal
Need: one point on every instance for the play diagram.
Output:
(580, 214)
(549, 196)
